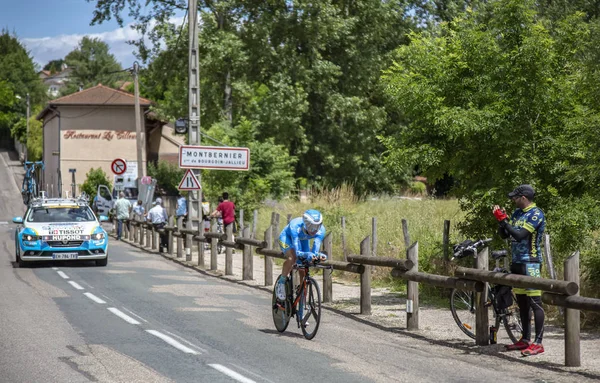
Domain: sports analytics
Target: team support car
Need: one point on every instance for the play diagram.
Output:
(60, 229)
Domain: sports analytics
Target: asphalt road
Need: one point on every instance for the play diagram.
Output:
(145, 319)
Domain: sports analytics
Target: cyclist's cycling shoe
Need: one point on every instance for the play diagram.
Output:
(280, 290)
(520, 345)
(533, 349)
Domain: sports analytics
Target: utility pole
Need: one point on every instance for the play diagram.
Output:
(139, 135)
(194, 197)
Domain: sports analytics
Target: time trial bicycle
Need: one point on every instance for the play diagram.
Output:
(303, 302)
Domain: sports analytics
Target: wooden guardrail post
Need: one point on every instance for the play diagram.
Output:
(142, 235)
(153, 233)
(201, 245)
(374, 236)
(365, 279)
(179, 237)
(135, 232)
(254, 222)
(405, 233)
(170, 237)
(344, 249)
(229, 251)
(242, 227)
(247, 262)
(213, 245)
(149, 235)
(446, 241)
(412, 290)
(126, 231)
(482, 337)
(572, 318)
(269, 260)
(327, 282)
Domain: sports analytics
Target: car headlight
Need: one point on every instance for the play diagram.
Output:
(98, 236)
(29, 237)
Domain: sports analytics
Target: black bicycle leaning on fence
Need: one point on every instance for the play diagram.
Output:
(303, 302)
(501, 299)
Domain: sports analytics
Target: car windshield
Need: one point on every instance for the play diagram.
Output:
(60, 214)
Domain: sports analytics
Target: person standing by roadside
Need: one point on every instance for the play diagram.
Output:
(181, 212)
(526, 229)
(226, 210)
(158, 218)
(122, 210)
(139, 211)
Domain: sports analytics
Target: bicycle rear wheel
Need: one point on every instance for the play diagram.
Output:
(511, 318)
(312, 309)
(462, 306)
(282, 311)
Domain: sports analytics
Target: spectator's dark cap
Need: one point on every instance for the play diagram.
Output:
(523, 190)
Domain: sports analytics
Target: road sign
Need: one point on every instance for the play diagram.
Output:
(214, 157)
(118, 166)
(147, 180)
(189, 182)
(132, 169)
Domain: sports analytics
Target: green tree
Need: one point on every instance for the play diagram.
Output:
(54, 66)
(498, 101)
(94, 178)
(92, 64)
(270, 174)
(18, 77)
(167, 175)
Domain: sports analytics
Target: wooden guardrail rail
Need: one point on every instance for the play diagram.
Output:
(563, 293)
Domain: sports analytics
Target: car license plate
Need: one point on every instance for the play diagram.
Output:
(64, 256)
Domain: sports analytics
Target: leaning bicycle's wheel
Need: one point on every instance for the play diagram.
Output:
(25, 192)
(282, 311)
(512, 322)
(312, 309)
(462, 306)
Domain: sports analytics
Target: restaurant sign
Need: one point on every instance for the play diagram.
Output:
(108, 135)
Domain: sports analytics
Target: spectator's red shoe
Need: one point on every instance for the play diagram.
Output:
(533, 349)
(520, 345)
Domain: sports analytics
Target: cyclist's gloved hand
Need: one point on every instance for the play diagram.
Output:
(499, 213)
(322, 257)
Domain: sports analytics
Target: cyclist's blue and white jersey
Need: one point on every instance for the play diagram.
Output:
(533, 220)
(294, 236)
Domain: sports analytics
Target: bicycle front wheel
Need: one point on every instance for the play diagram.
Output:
(462, 306)
(282, 311)
(311, 300)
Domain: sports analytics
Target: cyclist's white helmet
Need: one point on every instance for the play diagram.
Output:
(312, 221)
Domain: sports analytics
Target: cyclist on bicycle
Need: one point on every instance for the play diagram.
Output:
(294, 242)
(526, 229)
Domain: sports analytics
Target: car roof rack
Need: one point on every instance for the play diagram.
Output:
(43, 199)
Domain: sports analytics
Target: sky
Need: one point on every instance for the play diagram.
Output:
(50, 29)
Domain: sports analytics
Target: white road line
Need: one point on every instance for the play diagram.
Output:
(94, 298)
(251, 373)
(134, 314)
(190, 343)
(55, 268)
(76, 285)
(122, 315)
(172, 342)
(62, 274)
(232, 374)
(3, 223)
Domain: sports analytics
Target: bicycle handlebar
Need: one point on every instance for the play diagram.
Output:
(463, 249)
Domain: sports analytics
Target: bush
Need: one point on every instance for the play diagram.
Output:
(95, 177)
(167, 176)
(418, 188)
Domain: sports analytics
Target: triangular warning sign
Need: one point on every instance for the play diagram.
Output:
(189, 181)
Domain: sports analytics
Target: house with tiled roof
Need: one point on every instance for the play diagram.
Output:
(55, 81)
(93, 127)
